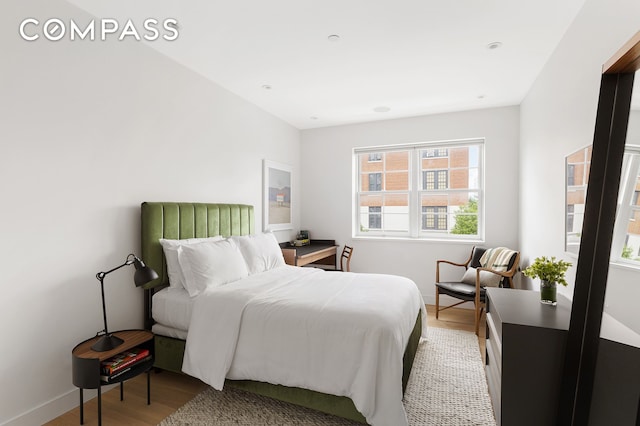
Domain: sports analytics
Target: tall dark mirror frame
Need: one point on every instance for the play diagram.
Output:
(597, 234)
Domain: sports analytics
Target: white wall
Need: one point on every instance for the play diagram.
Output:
(327, 183)
(557, 118)
(88, 131)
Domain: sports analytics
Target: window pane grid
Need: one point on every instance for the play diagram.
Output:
(435, 179)
(434, 218)
(437, 152)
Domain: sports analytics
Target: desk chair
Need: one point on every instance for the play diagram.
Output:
(345, 259)
(471, 288)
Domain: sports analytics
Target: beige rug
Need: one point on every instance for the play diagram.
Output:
(447, 387)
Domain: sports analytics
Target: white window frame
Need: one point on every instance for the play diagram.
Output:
(415, 191)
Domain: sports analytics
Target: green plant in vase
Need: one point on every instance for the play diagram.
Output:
(550, 272)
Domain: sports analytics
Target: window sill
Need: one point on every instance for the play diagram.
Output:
(613, 263)
(624, 265)
(417, 240)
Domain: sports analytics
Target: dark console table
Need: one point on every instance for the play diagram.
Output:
(525, 350)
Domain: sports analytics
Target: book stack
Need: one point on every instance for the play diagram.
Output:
(117, 365)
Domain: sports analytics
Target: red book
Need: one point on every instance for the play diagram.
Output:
(123, 360)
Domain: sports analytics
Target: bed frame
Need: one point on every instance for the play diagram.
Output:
(199, 220)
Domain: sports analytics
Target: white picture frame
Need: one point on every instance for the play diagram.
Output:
(277, 204)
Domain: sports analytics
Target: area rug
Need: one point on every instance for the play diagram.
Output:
(447, 387)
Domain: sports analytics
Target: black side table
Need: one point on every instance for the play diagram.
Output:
(86, 365)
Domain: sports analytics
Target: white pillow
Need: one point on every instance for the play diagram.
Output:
(170, 248)
(210, 264)
(261, 252)
(487, 279)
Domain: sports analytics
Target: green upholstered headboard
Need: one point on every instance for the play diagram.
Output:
(188, 220)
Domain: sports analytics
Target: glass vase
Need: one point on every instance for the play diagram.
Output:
(548, 293)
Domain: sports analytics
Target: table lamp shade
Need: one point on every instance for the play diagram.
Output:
(143, 275)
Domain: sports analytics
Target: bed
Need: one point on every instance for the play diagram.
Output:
(180, 221)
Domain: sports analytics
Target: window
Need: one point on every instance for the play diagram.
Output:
(626, 234)
(625, 247)
(434, 218)
(429, 153)
(435, 179)
(578, 164)
(424, 191)
(375, 217)
(375, 181)
(571, 174)
(376, 156)
(571, 210)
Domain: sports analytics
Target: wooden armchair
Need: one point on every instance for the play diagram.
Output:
(471, 288)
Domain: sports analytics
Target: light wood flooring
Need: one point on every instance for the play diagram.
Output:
(169, 391)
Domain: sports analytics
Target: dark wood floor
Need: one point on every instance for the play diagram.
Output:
(169, 391)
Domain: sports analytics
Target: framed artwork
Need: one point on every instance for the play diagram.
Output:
(276, 196)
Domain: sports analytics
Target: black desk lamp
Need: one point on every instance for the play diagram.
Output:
(143, 275)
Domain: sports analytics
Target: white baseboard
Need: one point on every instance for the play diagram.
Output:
(54, 408)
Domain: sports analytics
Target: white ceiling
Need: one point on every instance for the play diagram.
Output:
(413, 56)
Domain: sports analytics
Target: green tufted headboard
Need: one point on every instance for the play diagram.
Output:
(185, 220)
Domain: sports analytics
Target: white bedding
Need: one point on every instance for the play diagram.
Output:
(338, 333)
(172, 308)
(163, 330)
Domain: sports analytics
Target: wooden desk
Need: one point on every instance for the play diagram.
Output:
(320, 252)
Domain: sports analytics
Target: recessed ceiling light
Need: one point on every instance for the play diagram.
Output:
(313, 117)
(480, 96)
(494, 45)
(382, 109)
(334, 37)
(266, 87)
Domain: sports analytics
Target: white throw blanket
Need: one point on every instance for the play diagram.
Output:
(497, 258)
(338, 333)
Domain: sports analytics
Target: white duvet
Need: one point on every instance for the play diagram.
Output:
(338, 333)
